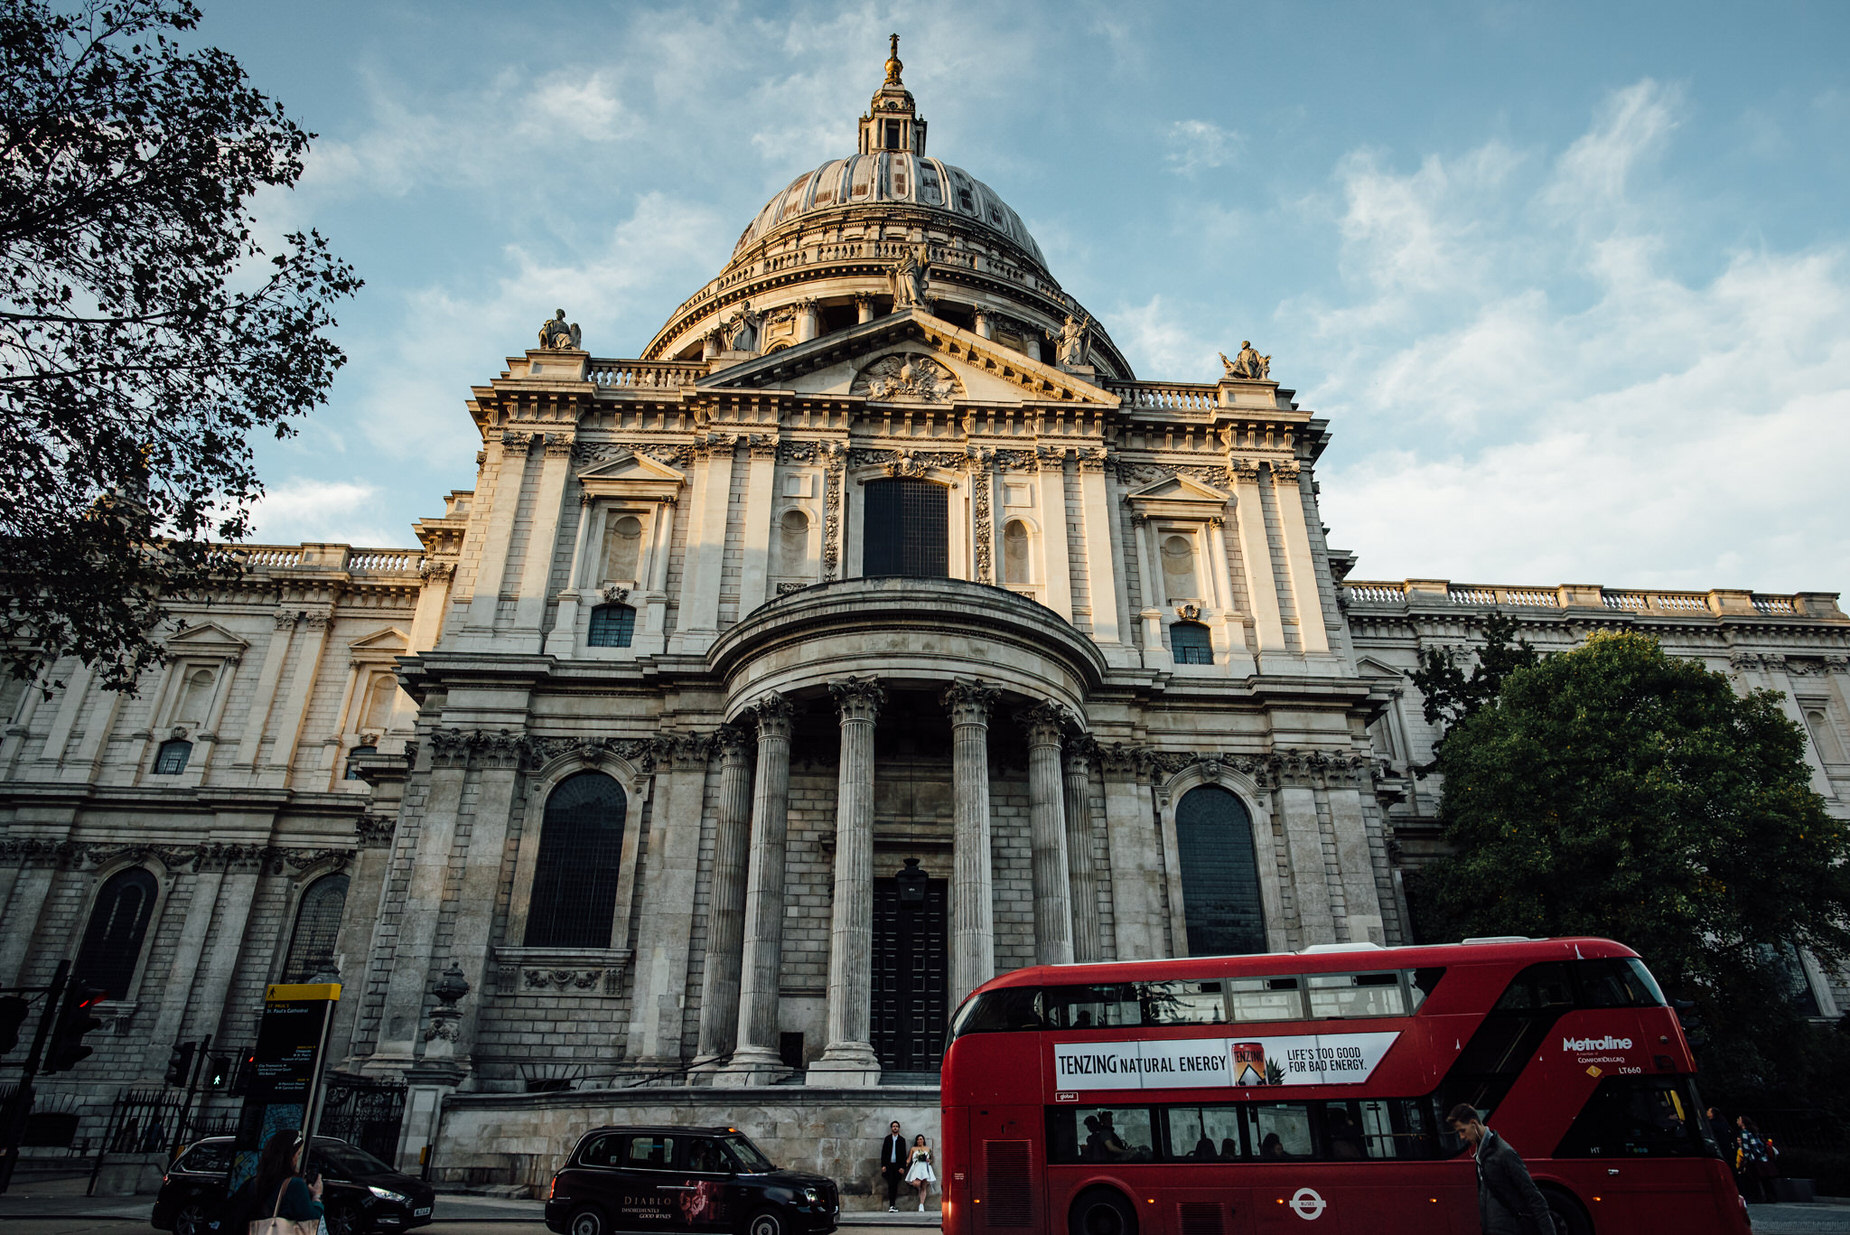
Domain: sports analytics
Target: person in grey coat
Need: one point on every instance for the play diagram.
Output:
(1508, 1202)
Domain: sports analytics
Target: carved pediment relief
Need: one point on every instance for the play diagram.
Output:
(907, 377)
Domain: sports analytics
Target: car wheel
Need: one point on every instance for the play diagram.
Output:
(343, 1222)
(767, 1222)
(1101, 1211)
(588, 1221)
(1569, 1218)
(192, 1219)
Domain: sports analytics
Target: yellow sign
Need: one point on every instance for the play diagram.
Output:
(280, 992)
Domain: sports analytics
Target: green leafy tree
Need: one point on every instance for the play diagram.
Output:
(1614, 790)
(1448, 695)
(144, 334)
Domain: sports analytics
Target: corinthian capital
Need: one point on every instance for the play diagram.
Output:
(857, 698)
(773, 713)
(970, 701)
(1044, 723)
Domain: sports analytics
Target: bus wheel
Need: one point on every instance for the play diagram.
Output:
(1569, 1217)
(1101, 1211)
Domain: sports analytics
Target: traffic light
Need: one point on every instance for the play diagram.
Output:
(241, 1079)
(180, 1063)
(13, 1011)
(218, 1071)
(67, 1048)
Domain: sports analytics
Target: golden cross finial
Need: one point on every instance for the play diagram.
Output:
(893, 65)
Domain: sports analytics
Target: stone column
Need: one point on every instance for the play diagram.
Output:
(809, 321)
(1053, 907)
(1310, 881)
(674, 860)
(1080, 875)
(428, 871)
(719, 982)
(1288, 492)
(863, 309)
(756, 1060)
(1132, 840)
(498, 757)
(24, 908)
(1256, 559)
(973, 928)
(849, 1058)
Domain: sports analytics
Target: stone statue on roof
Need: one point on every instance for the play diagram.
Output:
(742, 328)
(1075, 335)
(1248, 363)
(558, 335)
(909, 276)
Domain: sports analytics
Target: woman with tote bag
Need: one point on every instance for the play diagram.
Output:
(294, 1203)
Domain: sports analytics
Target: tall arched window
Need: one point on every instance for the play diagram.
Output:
(622, 548)
(171, 758)
(907, 529)
(1191, 644)
(1179, 568)
(112, 942)
(1016, 565)
(793, 543)
(381, 698)
(575, 877)
(317, 929)
(612, 626)
(1220, 874)
(195, 698)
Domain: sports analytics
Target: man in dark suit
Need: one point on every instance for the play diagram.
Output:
(893, 1165)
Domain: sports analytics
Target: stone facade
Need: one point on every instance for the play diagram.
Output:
(888, 609)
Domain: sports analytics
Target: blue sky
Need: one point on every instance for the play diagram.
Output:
(1570, 282)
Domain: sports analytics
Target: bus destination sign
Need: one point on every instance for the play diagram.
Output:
(1220, 1063)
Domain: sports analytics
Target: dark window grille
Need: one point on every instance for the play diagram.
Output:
(317, 929)
(353, 771)
(171, 759)
(1220, 875)
(575, 879)
(612, 626)
(1191, 643)
(118, 924)
(907, 529)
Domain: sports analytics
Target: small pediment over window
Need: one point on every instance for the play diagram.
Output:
(207, 639)
(391, 641)
(633, 475)
(1178, 488)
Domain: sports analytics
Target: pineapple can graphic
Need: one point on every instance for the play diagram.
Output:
(1250, 1065)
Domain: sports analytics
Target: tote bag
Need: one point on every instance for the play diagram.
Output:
(274, 1225)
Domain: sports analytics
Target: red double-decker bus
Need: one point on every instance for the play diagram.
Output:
(1305, 1091)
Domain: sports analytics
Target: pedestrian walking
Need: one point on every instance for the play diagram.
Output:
(894, 1156)
(918, 1169)
(1508, 1202)
(1756, 1159)
(286, 1204)
(1723, 1134)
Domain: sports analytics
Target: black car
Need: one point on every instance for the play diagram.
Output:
(361, 1193)
(684, 1179)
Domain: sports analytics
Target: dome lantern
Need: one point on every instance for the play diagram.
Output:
(892, 120)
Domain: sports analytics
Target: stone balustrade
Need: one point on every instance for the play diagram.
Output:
(1643, 601)
(643, 374)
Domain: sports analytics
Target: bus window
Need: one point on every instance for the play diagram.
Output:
(1421, 983)
(1356, 994)
(1280, 1130)
(1636, 1117)
(1265, 999)
(1092, 1007)
(1616, 983)
(1538, 988)
(1099, 1134)
(999, 1011)
(1379, 1128)
(1182, 1003)
(1204, 1133)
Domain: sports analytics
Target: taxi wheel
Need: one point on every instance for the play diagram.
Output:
(191, 1219)
(588, 1221)
(767, 1222)
(1101, 1211)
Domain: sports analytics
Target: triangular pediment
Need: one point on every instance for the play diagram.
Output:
(1368, 666)
(1178, 488)
(207, 638)
(863, 362)
(391, 639)
(630, 466)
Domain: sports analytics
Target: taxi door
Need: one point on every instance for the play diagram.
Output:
(650, 1185)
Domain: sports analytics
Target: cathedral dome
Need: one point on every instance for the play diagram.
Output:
(893, 177)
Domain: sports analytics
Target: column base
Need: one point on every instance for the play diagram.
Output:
(752, 1065)
(845, 1065)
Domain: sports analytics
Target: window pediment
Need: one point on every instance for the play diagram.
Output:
(634, 476)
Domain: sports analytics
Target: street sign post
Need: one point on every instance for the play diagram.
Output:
(285, 1072)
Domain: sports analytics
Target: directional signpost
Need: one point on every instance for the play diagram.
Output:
(285, 1070)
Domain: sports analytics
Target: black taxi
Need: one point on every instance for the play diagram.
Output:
(645, 1179)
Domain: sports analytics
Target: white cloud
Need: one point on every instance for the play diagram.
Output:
(339, 512)
(1197, 144)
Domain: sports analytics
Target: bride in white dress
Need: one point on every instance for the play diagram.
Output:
(918, 1169)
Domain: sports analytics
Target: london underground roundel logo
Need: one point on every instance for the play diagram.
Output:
(1307, 1204)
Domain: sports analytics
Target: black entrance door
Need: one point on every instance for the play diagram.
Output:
(909, 970)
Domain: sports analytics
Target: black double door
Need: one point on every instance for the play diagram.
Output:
(910, 986)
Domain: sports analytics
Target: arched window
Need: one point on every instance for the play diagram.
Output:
(1190, 642)
(1016, 564)
(793, 543)
(1220, 875)
(612, 626)
(907, 529)
(575, 878)
(353, 770)
(170, 759)
(381, 698)
(195, 697)
(622, 548)
(317, 929)
(1179, 568)
(118, 924)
